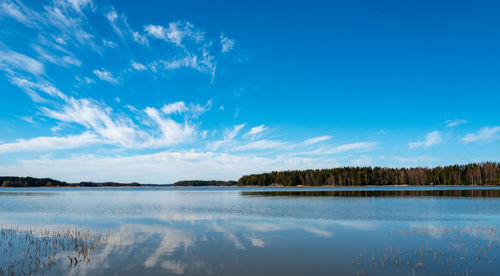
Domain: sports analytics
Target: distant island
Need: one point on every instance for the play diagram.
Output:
(204, 183)
(474, 174)
(27, 182)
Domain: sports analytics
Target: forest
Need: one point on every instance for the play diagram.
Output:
(487, 173)
(27, 182)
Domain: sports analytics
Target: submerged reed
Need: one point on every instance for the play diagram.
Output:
(32, 251)
(451, 250)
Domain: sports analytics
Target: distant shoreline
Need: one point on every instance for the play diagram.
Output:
(241, 186)
(471, 175)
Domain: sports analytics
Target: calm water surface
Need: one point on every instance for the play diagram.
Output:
(250, 231)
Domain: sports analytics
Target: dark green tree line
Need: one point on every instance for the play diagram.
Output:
(487, 173)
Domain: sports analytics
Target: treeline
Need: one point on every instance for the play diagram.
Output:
(14, 181)
(185, 183)
(27, 182)
(487, 173)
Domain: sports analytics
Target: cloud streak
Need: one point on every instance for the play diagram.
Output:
(455, 122)
(104, 75)
(431, 139)
(486, 134)
(50, 143)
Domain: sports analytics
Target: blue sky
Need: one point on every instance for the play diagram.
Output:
(159, 91)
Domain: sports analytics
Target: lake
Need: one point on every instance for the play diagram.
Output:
(250, 231)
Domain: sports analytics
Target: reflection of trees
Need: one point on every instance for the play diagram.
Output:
(380, 193)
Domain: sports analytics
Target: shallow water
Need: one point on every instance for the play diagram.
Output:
(253, 231)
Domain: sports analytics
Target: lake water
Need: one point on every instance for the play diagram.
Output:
(250, 231)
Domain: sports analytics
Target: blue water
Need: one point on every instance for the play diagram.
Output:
(222, 231)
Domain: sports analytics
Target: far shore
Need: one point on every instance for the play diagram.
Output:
(251, 186)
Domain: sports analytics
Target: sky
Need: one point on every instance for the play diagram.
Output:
(161, 91)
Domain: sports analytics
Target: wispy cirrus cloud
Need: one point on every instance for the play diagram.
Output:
(315, 140)
(352, 146)
(229, 136)
(227, 44)
(485, 134)
(11, 61)
(139, 66)
(104, 75)
(257, 130)
(50, 143)
(13, 10)
(431, 139)
(262, 145)
(455, 122)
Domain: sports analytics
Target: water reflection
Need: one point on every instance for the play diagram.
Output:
(480, 193)
(207, 232)
(36, 251)
(445, 249)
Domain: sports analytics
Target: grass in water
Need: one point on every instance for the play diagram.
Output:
(32, 251)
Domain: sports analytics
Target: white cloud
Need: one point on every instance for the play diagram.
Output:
(31, 87)
(93, 116)
(139, 66)
(13, 10)
(106, 76)
(257, 129)
(172, 132)
(432, 138)
(112, 16)
(201, 64)
(228, 137)
(156, 31)
(64, 18)
(262, 145)
(141, 39)
(28, 119)
(233, 133)
(79, 4)
(58, 59)
(194, 110)
(10, 60)
(316, 140)
(50, 143)
(484, 134)
(108, 43)
(174, 108)
(70, 20)
(353, 146)
(176, 32)
(227, 44)
(455, 122)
